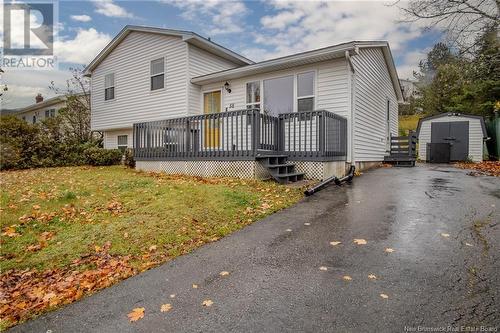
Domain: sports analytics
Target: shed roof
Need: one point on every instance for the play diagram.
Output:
(453, 114)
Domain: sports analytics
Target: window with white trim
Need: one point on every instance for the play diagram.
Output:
(157, 74)
(122, 142)
(253, 95)
(109, 86)
(305, 91)
(51, 113)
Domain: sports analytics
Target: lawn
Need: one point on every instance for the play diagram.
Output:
(67, 232)
(407, 123)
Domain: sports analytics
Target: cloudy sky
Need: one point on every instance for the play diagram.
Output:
(257, 29)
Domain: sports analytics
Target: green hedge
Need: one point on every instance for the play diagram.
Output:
(24, 145)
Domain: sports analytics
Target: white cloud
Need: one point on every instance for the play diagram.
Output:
(82, 48)
(110, 9)
(81, 18)
(216, 16)
(410, 63)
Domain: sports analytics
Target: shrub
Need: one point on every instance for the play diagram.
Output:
(128, 159)
(99, 156)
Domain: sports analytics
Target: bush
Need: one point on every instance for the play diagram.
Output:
(99, 156)
(128, 159)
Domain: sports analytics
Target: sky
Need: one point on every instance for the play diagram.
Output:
(259, 30)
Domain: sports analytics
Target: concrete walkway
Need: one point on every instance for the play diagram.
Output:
(276, 284)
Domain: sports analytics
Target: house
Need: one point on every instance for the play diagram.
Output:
(188, 105)
(410, 90)
(40, 110)
(451, 137)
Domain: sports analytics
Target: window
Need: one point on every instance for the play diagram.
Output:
(109, 86)
(157, 74)
(51, 113)
(253, 95)
(122, 142)
(305, 91)
(278, 95)
(34, 119)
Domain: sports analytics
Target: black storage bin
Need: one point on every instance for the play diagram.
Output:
(438, 153)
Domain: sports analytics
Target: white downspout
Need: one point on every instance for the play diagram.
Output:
(351, 80)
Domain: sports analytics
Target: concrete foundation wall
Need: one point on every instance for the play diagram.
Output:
(360, 166)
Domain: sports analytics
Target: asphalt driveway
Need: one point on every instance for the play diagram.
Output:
(442, 224)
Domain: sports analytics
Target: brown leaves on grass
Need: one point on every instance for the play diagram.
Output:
(114, 207)
(28, 292)
(10, 232)
(136, 314)
(491, 168)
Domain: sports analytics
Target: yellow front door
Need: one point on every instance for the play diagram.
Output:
(212, 104)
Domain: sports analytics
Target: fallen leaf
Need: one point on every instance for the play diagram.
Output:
(97, 248)
(445, 235)
(224, 273)
(10, 232)
(307, 223)
(335, 243)
(288, 230)
(323, 268)
(207, 302)
(166, 307)
(136, 314)
(172, 296)
(384, 296)
(468, 244)
(372, 277)
(389, 250)
(36, 207)
(125, 235)
(360, 241)
(152, 248)
(347, 278)
(195, 286)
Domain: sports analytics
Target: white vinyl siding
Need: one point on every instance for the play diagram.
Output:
(331, 89)
(330, 92)
(134, 101)
(475, 136)
(111, 138)
(373, 88)
(202, 62)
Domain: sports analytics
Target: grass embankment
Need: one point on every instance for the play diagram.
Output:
(67, 232)
(408, 123)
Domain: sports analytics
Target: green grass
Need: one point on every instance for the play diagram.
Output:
(407, 123)
(174, 213)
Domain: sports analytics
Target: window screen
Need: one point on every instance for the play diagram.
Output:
(253, 95)
(157, 74)
(109, 86)
(278, 95)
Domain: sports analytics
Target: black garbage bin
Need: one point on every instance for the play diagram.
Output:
(438, 153)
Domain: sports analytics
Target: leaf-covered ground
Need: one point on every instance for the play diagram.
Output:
(491, 168)
(67, 232)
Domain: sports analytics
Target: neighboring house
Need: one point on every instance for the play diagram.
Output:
(409, 89)
(188, 105)
(41, 110)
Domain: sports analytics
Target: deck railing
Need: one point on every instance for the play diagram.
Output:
(243, 135)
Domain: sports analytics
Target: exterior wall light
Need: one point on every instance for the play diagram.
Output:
(226, 86)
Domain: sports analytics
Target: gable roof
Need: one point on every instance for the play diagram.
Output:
(308, 57)
(187, 36)
(453, 114)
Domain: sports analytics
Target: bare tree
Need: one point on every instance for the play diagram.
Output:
(76, 114)
(462, 21)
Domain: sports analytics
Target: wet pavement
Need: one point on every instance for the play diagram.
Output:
(442, 224)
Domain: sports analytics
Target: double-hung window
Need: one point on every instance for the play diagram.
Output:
(109, 86)
(158, 73)
(305, 91)
(122, 142)
(51, 113)
(253, 95)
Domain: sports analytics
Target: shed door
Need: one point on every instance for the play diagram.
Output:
(456, 133)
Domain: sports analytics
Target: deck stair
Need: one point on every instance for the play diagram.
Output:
(403, 150)
(279, 168)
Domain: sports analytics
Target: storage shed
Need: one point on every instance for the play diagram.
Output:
(451, 137)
